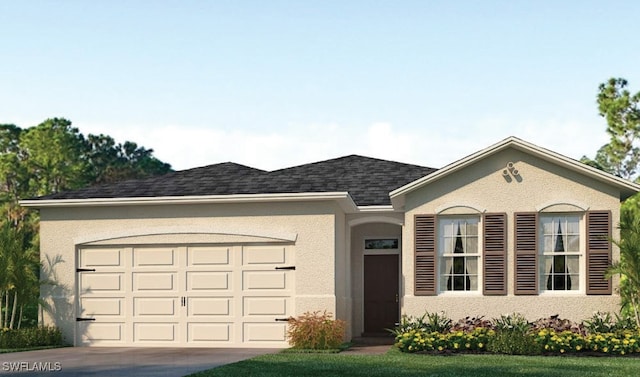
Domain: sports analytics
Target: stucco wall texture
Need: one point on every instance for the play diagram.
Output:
(540, 187)
(309, 227)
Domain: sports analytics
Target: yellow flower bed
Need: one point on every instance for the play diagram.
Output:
(421, 340)
(619, 343)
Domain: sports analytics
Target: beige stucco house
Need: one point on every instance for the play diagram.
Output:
(222, 255)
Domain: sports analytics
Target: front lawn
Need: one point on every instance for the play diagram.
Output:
(398, 364)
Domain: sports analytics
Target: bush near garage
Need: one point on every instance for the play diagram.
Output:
(316, 331)
(512, 334)
(42, 336)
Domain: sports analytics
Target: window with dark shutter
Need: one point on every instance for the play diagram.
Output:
(458, 253)
(425, 255)
(526, 253)
(598, 252)
(495, 254)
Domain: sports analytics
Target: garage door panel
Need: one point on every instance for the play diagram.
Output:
(103, 282)
(256, 255)
(155, 306)
(208, 256)
(102, 306)
(96, 333)
(155, 332)
(154, 281)
(271, 306)
(264, 332)
(262, 280)
(153, 257)
(100, 258)
(211, 280)
(210, 332)
(209, 306)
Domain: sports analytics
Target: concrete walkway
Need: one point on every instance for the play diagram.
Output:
(367, 349)
(370, 346)
(144, 362)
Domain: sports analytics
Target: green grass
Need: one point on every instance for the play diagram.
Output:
(398, 364)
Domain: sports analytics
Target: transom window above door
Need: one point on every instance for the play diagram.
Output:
(459, 251)
(381, 243)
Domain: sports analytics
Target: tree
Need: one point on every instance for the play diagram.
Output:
(628, 267)
(53, 154)
(20, 264)
(13, 175)
(111, 162)
(621, 110)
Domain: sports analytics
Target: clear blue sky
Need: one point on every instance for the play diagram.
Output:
(272, 84)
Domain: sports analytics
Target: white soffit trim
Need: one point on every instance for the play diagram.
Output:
(627, 188)
(343, 198)
(388, 208)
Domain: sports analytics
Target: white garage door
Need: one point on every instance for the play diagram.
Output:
(187, 296)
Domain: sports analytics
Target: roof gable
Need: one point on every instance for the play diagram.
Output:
(626, 187)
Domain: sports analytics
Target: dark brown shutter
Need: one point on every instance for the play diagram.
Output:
(526, 263)
(425, 267)
(598, 252)
(495, 254)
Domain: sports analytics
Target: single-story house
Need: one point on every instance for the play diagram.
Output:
(222, 255)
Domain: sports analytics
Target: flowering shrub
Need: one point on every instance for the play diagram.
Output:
(619, 343)
(565, 341)
(422, 340)
(511, 336)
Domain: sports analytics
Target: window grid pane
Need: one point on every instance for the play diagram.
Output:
(459, 254)
(559, 265)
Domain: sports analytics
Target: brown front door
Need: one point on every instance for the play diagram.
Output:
(381, 290)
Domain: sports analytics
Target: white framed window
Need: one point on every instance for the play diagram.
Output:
(561, 253)
(459, 251)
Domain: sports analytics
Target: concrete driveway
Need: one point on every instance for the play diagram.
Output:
(94, 361)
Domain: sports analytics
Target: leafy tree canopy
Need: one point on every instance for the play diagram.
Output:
(621, 111)
(54, 156)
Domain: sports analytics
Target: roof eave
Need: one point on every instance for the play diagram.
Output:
(342, 198)
(377, 208)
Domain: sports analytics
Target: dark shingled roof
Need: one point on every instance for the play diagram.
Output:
(368, 181)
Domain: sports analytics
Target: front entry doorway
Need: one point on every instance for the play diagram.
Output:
(381, 293)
